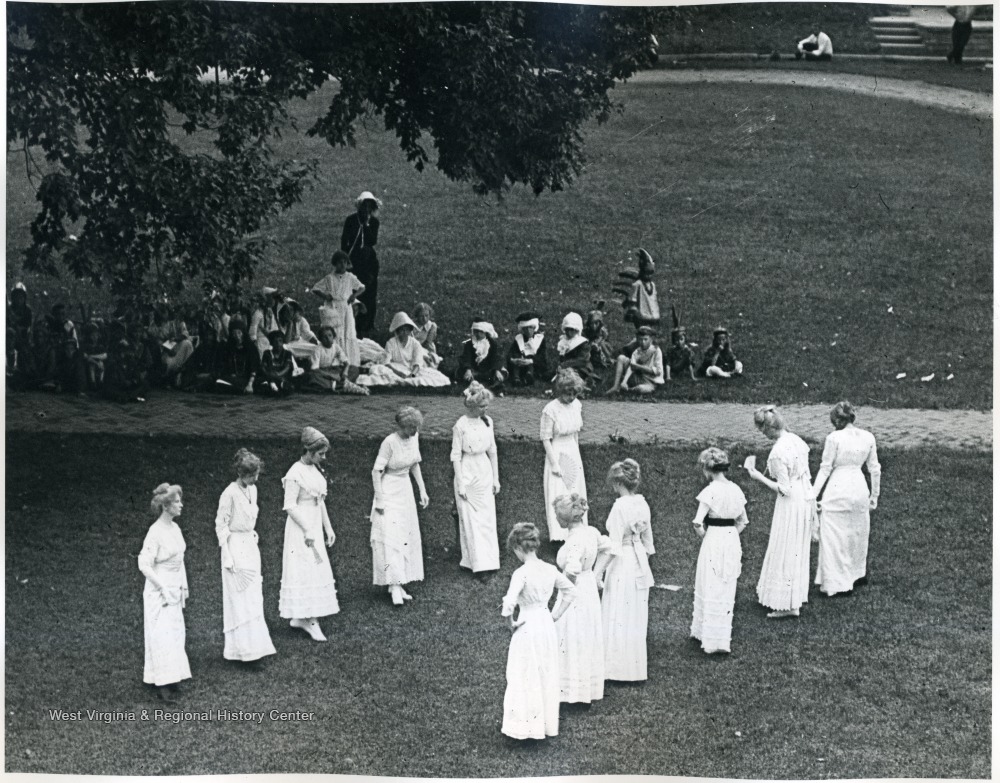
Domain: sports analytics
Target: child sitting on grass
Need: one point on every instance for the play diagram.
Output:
(720, 361)
(277, 368)
(680, 355)
(425, 333)
(527, 358)
(642, 371)
(601, 354)
(329, 370)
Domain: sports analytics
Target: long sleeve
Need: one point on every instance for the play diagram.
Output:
(874, 470)
(491, 452)
(541, 361)
(646, 536)
(826, 466)
(513, 593)
(456, 442)
(565, 587)
(223, 517)
(779, 472)
(291, 494)
(348, 235)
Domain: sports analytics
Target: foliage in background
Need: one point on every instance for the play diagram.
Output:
(499, 91)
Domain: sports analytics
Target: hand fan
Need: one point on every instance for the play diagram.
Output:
(244, 577)
(477, 494)
(570, 470)
(316, 554)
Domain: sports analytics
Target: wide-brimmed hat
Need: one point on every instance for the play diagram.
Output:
(720, 330)
(401, 319)
(528, 318)
(573, 321)
(367, 196)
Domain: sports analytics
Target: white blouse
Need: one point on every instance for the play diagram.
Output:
(237, 511)
(559, 419)
(396, 455)
(531, 586)
(303, 482)
(724, 499)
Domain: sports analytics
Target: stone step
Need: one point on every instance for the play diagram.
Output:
(912, 38)
(912, 30)
(903, 48)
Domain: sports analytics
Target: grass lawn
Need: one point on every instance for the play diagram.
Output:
(892, 682)
(840, 251)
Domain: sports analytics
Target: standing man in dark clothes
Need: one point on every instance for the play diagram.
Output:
(358, 241)
(961, 31)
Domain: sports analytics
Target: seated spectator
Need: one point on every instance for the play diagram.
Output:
(277, 368)
(596, 332)
(330, 370)
(16, 378)
(719, 361)
(642, 372)
(202, 369)
(95, 354)
(404, 362)
(217, 316)
(480, 359)
(680, 355)
(527, 358)
(299, 336)
(425, 332)
(573, 348)
(817, 46)
(238, 362)
(126, 377)
(264, 317)
(65, 370)
(176, 350)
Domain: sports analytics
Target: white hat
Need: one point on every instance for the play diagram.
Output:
(486, 327)
(573, 321)
(401, 319)
(268, 291)
(367, 196)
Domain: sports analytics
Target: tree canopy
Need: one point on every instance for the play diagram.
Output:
(493, 94)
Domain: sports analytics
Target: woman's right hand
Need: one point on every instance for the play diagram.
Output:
(554, 470)
(379, 509)
(171, 596)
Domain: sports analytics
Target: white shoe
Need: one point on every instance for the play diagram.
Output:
(397, 595)
(315, 631)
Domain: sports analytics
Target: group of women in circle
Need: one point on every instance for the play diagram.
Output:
(596, 630)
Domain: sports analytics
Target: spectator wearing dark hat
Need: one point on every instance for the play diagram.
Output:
(358, 240)
(720, 361)
(642, 372)
(238, 360)
(527, 358)
(481, 359)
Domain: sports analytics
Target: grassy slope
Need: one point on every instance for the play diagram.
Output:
(893, 682)
(762, 216)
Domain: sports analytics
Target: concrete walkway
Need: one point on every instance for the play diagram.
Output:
(516, 418)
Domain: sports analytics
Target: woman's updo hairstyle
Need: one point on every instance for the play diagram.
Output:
(842, 414)
(714, 460)
(569, 508)
(524, 536)
(627, 473)
(408, 415)
(477, 394)
(246, 463)
(164, 495)
(568, 380)
(768, 420)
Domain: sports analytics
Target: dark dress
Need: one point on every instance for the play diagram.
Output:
(236, 364)
(359, 242)
(680, 359)
(723, 358)
(539, 369)
(483, 371)
(578, 359)
(276, 370)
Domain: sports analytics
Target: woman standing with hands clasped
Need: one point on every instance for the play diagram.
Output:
(562, 420)
(845, 521)
(784, 576)
(161, 561)
(308, 590)
(397, 556)
(247, 637)
(477, 480)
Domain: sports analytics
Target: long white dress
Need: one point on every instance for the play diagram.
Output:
(246, 634)
(474, 454)
(580, 629)
(719, 566)
(405, 359)
(164, 631)
(531, 701)
(339, 314)
(625, 603)
(307, 586)
(397, 554)
(784, 574)
(845, 518)
(562, 424)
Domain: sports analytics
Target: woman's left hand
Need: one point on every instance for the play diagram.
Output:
(331, 537)
(424, 500)
(496, 488)
(872, 503)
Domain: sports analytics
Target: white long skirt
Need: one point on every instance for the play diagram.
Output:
(531, 701)
(397, 553)
(340, 316)
(625, 617)
(246, 634)
(719, 566)
(567, 451)
(307, 586)
(383, 375)
(477, 514)
(165, 636)
(581, 644)
(845, 524)
(784, 574)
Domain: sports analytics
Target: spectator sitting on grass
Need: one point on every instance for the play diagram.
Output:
(527, 358)
(175, 347)
(642, 372)
(126, 374)
(95, 354)
(480, 359)
(238, 361)
(264, 318)
(425, 333)
(719, 361)
(329, 370)
(218, 317)
(817, 46)
(277, 367)
(573, 348)
(202, 369)
(404, 362)
(601, 354)
(680, 355)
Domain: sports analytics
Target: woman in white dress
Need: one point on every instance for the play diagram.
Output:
(627, 577)
(339, 290)
(397, 555)
(477, 480)
(580, 630)
(783, 586)
(405, 360)
(847, 502)
(308, 590)
(246, 634)
(161, 561)
(562, 420)
(264, 318)
(720, 519)
(531, 701)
